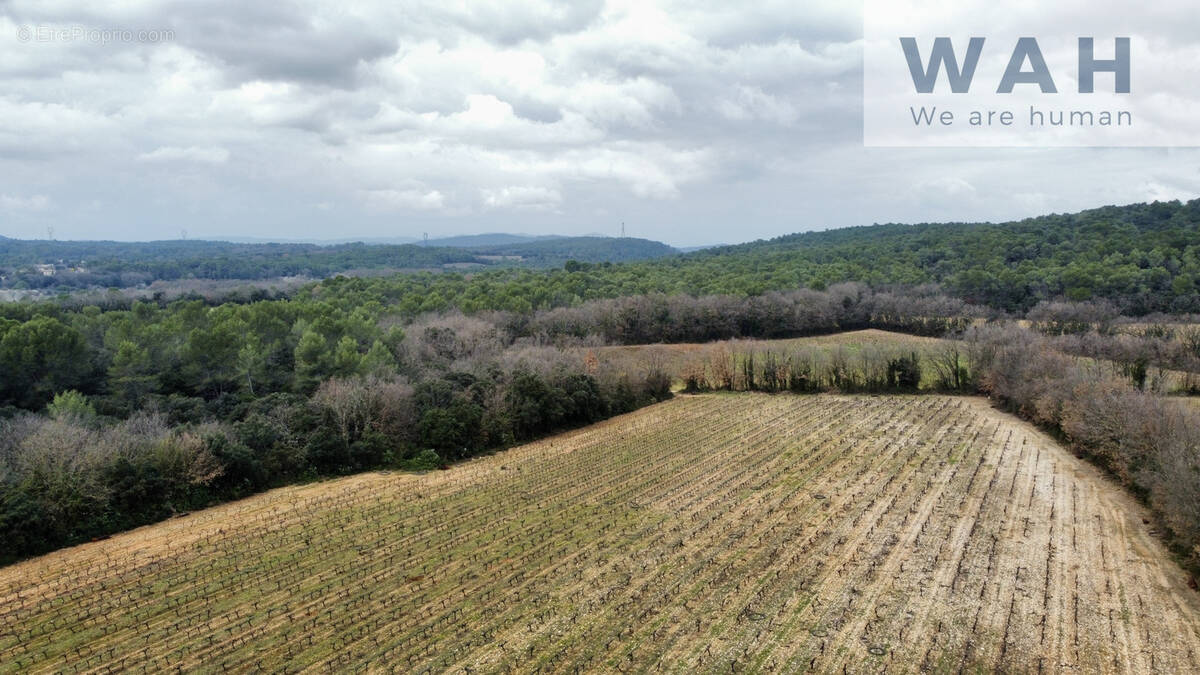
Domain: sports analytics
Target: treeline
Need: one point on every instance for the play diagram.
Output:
(653, 318)
(75, 474)
(1149, 443)
(195, 362)
(1149, 354)
(1160, 364)
(807, 370)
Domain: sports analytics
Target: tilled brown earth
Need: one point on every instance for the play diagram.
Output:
(718, 533)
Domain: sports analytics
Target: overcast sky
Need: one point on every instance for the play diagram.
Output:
(296, 119)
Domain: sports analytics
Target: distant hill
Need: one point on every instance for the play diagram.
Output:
(1142, 257)
(41, 264)
(558, 250)
(65, 265)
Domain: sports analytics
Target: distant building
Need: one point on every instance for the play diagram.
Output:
(46, 270)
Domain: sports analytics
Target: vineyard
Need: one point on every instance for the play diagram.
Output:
(714, 533)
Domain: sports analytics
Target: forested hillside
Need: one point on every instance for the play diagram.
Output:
(68, 265)
(80, 264)
(580, 249)
(1143, 257)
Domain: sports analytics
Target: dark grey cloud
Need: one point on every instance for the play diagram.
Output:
(277, 41)
(286, 40)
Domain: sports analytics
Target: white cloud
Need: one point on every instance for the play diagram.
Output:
(190, 154)
(945, 197)
(1167, 190)
(19, 203)
(948, 186)
(522, 197)
(753, 104)
(416, 200)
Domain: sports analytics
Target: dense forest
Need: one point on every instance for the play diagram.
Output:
(1143, 257)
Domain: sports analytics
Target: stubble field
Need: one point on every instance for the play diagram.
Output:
(714, 533)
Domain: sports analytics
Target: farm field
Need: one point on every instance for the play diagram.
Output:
(679, 358)
(711, 533)
(853, 341)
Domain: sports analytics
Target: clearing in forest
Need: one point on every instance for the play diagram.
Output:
(709, 533)
(852, 341)
(851, 346)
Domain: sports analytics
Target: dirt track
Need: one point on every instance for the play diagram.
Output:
(712, 533)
